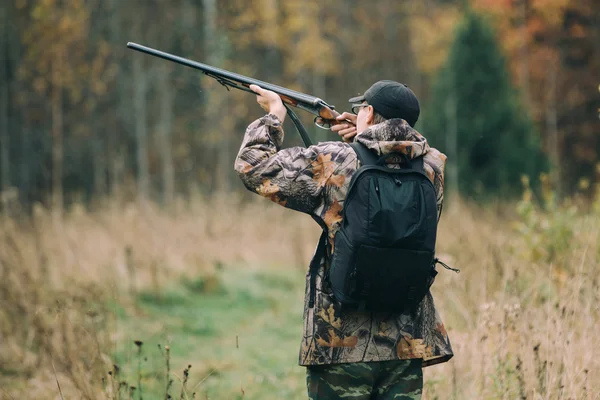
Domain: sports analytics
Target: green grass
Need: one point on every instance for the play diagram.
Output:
(240, 331)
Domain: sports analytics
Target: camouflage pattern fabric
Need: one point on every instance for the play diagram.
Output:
(387, 380)
(315, 181)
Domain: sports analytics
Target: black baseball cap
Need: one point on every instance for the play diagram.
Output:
(392, 100)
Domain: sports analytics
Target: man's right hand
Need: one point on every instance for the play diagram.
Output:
(347, 130)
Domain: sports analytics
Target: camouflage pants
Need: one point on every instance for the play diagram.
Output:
(399, 380)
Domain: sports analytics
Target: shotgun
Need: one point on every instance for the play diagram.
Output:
(325, 115)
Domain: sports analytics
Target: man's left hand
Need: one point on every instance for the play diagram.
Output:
(270, 102)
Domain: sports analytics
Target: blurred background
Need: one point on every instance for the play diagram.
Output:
(85, 118)
(122, 217)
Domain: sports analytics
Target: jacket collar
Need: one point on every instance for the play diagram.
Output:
(394, 136)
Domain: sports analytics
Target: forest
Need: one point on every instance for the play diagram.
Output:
(85, 119)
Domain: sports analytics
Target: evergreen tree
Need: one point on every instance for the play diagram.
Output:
(476, 119)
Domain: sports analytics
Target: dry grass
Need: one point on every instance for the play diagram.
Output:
(522, 314)
(56, 278)
(522, 317)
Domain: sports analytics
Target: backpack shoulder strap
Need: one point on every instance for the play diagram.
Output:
(365, 156)
(418, 164)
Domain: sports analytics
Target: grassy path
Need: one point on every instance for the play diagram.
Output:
(240, 331)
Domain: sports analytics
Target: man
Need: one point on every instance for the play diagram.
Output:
(349, 354)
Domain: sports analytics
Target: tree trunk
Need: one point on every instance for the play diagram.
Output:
(524, 52)
(99, 152)
(452, 144)
(215, 101)
(552, 125)
(188, 21)
(165, 129)
(119, 124)
(140, 85)
(273, 55)
(57, 133)
(17, 125)
(451, 117)
(25, 191)
(318, 76)
(4, 124)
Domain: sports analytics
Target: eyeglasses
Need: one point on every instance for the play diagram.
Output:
(356, 107)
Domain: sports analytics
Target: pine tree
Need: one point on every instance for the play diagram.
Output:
(475, 117)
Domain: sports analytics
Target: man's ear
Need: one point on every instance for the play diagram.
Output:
(370, 115)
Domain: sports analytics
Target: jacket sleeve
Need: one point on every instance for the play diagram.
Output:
(292, 177)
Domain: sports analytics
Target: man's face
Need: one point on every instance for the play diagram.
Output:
(364, 117)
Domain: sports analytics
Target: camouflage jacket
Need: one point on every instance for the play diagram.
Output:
(315, 181)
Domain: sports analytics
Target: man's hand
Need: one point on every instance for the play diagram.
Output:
(270, 102)
(347, 130)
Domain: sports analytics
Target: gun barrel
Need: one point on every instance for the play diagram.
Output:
(297, 96)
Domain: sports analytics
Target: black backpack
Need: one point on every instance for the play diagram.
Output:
(384, 253)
